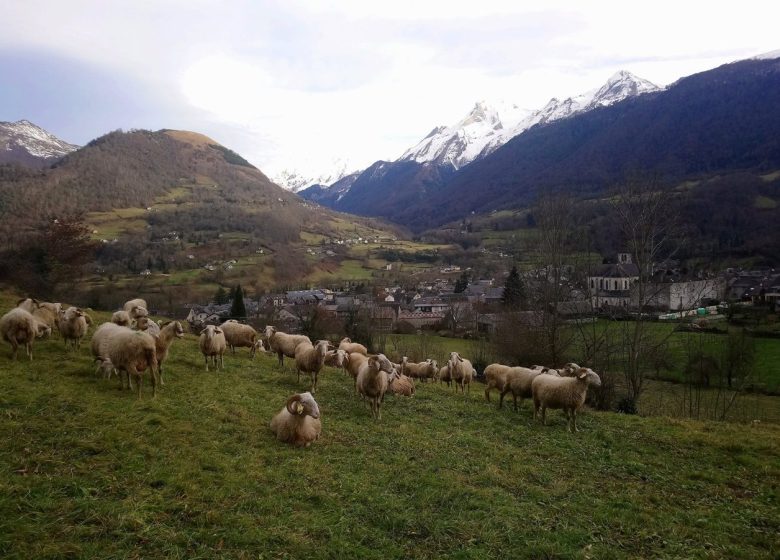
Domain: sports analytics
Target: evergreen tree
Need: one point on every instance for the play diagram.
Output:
(462, 283)
(221, 296)
(237, 309)
(514, 291)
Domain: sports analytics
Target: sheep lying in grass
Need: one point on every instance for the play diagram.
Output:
(283, 344)
(373, 380)
(495, 378)
(519, 380)
(212, 346)
(73, 326)
(18, 326)
(567, 393)
(401, 384)
(136, 308)
(133, 352)
(310, 359)
(121, 318)
(352, 347)
(241, 336)
(299, 421)
(168, 333)
(461, 371)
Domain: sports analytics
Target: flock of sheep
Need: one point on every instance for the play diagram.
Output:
(131, 344)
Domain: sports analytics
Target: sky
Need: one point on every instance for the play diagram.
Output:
(308, 85)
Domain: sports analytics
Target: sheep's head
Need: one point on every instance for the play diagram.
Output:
(380, 363)
(346, 340)
(259, 347)
(434, 365)
(269, 331)
(454, 359)
(178, 330)
(138, 311)
(141, 323)
(322, 347)
(42, 330)
(303, 404)
(210, 331)
(28, 304)
(587, 375)
(570, 369)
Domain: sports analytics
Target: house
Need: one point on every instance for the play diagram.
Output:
(419, 319)
(304, 297)
(431, 305)
(611, 284)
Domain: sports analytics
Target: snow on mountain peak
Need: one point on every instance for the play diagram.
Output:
(488, 126)
(767, 55)
(31, 141)
(296, 181)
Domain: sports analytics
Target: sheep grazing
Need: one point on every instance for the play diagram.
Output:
(163, 341)
(461, 371)
(240, 335)
(401, 384)
(495, 378)
(337, 359)
(352, 347)
(136, 308)
(373, 380)
(567, 393)
(133, 352)
(99, 343)
(18, 326)
(519, 380)
(73, 326)
(298, 422)
(121, 318)
(283, 344)
(310, 359)
(213, 346)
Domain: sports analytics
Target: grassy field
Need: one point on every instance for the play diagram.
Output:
(89, 471)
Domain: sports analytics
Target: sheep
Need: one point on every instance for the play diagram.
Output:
(299, 421)
(121, 318)
(352, 347)
(213, 345)
(105, 367)
(73, 326)
(495, 378)
(283, 344)
(240, 335)
(18, 326)
(373, 380)
(461, 371)
(337, 359)
(310, 359)
(423, 370)
(567, 393)
(163, 341)
(45, 312)
(99, 348)
(444, 374)
(401, 384)
(133, 352)
(354, 363)
(136, 308)
(518, 382)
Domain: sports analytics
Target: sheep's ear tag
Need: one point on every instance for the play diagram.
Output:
(299, 408)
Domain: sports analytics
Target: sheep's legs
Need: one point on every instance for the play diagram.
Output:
(487, 395)
(28, 347)
(573, 424)
(544, 415)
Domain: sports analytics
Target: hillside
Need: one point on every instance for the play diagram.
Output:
(172, 201)
(89, 471)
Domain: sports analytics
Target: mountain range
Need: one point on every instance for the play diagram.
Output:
(27, 144)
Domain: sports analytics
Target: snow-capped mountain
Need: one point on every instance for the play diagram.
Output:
(487, 127)
(296, 181)
(28, 144)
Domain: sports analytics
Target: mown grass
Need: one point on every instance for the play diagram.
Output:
(89, 471)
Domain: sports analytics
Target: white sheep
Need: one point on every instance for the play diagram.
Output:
(422, 370)
(45, 312)
(337, 359)
(136, 308)
(354, 362)
(212, 345)
(495, 378)
(352, 347)
(105, 367)
(401, 384)
(519, 380)
(461, 371)
(444, 374)
(310, 359)
(168, 333)
(18, 326)
(133, 352)
(99, 348)
(372, 381)
(121, 318)
(240, 335)
(567, 393)
(299, 421)
(283, 344)
(73, 326)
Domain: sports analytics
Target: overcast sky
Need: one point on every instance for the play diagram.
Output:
(295, 84)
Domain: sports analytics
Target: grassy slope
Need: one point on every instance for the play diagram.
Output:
(87, 471)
